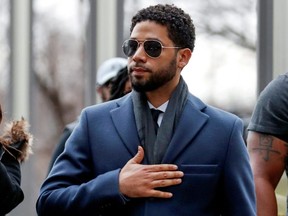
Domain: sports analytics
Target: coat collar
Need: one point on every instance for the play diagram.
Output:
(192, 120)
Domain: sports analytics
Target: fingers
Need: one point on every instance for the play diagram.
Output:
(161, 194)
(167, 175)
(137, 159)
(140, 180)
(166, 182)
(139, 156)
(163, 167)
(157, 184)
(165, 179)
(158, 167)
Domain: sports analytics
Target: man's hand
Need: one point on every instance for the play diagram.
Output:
(137, 180)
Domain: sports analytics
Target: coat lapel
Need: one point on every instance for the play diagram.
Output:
(192, 120)
(124, 121)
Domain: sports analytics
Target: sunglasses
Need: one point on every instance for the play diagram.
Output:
(153, 48)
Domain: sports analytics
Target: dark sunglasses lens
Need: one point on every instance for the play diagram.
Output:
(153, 48)
(130, 47)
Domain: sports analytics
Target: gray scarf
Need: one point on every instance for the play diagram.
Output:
(156, 146)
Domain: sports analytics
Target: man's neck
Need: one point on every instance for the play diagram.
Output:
(161, 95)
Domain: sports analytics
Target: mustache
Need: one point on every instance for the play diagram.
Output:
(138, 66)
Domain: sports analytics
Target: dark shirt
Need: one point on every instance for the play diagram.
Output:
(61, 144)
(270, 115)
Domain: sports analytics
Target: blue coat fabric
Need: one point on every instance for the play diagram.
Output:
(207, 146)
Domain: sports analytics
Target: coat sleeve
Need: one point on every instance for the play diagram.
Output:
(239, 193)
(72, 187)
(10, 177)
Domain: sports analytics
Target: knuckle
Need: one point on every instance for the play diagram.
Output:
(162, 183)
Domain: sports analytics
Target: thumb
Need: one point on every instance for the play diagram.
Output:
(139, 156)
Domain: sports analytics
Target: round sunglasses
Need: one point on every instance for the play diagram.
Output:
(153, 48)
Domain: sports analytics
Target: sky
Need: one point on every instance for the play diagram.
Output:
(223, 71)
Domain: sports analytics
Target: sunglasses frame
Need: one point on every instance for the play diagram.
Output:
(143, 42)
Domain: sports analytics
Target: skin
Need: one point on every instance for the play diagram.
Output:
(104, 92)
(136, 179)
(267, 156)
(127, 87)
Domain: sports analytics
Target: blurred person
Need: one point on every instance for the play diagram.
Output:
(106, 74)
(120, 84)
(267, 142)
(195, 163)
(15, 147)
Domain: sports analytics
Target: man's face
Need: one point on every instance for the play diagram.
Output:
(146, 73)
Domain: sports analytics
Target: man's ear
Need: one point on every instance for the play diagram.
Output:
(184, 56)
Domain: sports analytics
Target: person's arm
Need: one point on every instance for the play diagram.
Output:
(10, 177)
(59, 147)
(85, 181)
(268, 155)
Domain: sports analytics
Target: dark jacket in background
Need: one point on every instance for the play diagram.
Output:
(10, 177)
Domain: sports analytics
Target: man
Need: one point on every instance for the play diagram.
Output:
(197, 162)
(106, 73)
(267, 142)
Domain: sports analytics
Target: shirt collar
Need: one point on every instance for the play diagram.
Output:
(163, 107)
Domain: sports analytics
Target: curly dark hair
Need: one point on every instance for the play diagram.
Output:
(118, 84)
(180, 26)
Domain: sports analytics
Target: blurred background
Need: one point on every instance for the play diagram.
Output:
(50, 52)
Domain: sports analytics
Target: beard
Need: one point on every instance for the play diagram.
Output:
(156, 79)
